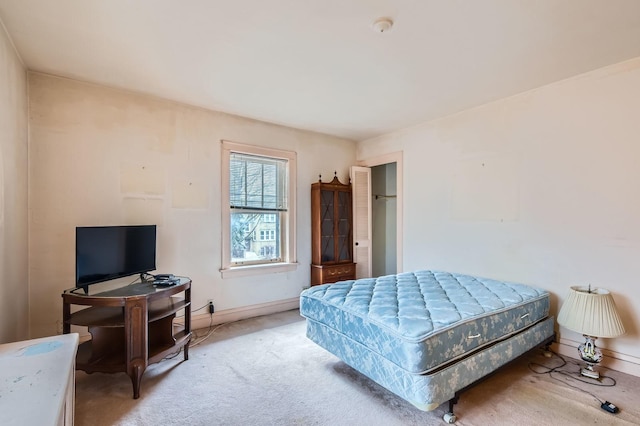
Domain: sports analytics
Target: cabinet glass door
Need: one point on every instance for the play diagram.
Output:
(344, 225)
(326, 228)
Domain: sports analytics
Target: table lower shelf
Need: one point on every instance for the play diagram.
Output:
(114, 361)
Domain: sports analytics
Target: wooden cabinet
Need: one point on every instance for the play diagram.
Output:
(131, 327)
(331, 233)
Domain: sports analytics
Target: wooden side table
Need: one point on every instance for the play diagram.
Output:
(131, 327)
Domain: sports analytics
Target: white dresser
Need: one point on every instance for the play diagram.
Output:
(37, 381)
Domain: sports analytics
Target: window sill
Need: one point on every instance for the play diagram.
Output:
(245, 271)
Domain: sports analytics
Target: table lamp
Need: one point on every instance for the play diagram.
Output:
(592, 312)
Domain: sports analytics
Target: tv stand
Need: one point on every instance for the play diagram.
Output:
(131, 327)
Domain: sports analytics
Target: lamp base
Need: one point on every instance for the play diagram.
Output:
(588, 371)
(591, 355)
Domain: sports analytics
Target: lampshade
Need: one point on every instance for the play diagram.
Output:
(592, 312)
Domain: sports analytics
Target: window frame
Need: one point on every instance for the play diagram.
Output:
(288, 243)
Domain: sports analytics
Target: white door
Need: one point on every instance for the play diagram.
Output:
(361, 190)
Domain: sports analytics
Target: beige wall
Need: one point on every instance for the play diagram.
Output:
(106, 157)
(541, 188)
(14, 290)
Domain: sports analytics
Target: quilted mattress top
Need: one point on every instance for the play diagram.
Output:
(422, 311)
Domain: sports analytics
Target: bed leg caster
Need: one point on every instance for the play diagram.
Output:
(547, 349)
(449, 418)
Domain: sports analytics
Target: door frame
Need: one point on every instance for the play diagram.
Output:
(393, 157)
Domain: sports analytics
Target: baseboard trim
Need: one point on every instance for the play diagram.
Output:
(236, 314)
(614, 360)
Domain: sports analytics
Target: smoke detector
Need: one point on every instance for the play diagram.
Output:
(382, 25)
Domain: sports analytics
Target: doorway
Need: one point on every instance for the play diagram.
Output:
(384, 206)
(385, 213)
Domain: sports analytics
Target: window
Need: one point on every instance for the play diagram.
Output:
(258, 209)
(268, 235)
(266, 250)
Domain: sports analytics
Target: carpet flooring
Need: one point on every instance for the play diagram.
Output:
(264, 371)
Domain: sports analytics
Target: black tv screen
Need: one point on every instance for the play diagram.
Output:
(108, 252)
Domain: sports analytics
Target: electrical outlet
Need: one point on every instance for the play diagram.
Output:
(210, 306)
(58, 327)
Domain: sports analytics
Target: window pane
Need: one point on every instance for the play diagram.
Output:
(257, 182)
(255, 238)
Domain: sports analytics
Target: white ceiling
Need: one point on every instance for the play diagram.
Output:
(318, 64)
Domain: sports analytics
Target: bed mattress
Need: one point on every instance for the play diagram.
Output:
(422, 321)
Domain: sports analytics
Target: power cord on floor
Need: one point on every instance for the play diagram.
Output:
(199, 339)
(196, 340)
(544, 369)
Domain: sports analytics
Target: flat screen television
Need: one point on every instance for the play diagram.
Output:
(105, 253)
